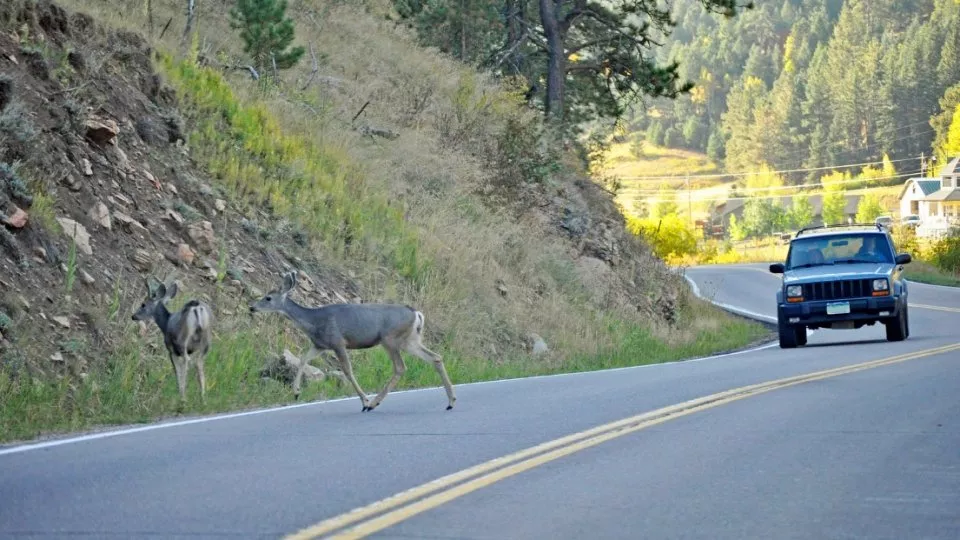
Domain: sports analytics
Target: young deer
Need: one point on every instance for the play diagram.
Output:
(186, 333)
(339, 327)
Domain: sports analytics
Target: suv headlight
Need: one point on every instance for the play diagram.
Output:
(880, 285)
(794, 291)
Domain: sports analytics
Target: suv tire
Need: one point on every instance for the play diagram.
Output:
(898, 328)
(789, 336)
(801, 335)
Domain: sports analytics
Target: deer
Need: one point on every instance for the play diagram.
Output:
(345, 326)
(186, 333)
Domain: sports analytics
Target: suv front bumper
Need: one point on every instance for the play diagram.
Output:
(861, 309)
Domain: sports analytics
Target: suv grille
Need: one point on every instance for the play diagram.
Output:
(838, 290)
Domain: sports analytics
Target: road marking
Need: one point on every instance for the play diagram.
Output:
(387, 512)
(26, 447)
(743, 312)
(936, 308)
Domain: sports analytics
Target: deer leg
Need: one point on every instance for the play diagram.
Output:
(311, 354)
(181, 365)
(417, 349)
(201, 379)
(398, 369)
(341, 353)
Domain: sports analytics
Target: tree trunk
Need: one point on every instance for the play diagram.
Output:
(556, 62)
(191, 9)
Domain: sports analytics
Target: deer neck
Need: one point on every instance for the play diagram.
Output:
(302, 316)
(161, 315)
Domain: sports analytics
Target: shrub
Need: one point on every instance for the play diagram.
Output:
(669, 236)
(945, 252)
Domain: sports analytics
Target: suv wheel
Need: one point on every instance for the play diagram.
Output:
(789, 335)
(801, 335)
(898, 328)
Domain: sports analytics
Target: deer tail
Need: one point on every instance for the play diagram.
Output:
(419, 323)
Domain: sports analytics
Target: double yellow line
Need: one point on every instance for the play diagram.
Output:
(385, 513)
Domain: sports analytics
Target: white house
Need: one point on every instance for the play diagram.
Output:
(935, 200)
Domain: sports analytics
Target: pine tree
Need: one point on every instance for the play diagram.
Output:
(266, 33)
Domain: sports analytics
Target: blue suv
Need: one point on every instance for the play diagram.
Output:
(841, 277)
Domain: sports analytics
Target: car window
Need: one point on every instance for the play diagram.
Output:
(838, 249)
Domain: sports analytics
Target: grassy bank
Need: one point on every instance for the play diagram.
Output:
(133, 387)
(924, 272)
(410, 219)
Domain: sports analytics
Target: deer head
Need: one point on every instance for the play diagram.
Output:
(155, 297)
(275, 299)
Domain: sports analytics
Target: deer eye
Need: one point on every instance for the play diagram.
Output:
(269, 299)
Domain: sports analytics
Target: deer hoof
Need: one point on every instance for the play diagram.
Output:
(449, 407)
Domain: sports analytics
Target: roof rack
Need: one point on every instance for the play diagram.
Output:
(876, 226)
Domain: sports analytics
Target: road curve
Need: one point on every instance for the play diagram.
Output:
(870, 453)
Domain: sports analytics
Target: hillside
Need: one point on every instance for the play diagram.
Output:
(381, 171)
(809, 84)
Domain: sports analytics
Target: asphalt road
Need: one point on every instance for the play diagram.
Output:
(869, 454)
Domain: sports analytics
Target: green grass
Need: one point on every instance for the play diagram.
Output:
(923, 272)
(134, 387)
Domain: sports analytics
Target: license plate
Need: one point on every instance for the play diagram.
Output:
(838, 308)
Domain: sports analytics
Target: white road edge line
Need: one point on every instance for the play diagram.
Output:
(226, 416)
(931, 285)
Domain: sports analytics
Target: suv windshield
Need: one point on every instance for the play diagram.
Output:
(839, 249)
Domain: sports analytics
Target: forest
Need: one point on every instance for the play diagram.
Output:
(812, 83)
(785, 83)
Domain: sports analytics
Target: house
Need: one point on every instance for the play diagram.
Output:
(935, 200)
(735, 207)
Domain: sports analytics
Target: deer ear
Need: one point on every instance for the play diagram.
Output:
(289, 282)
(160, 291)
(172, 290)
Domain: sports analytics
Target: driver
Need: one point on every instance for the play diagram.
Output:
(868, 249)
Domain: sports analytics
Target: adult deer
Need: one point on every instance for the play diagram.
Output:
(339, 327)
(186, 332)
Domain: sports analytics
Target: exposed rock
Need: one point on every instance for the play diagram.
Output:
(175, 216)
(17, 220)
(202, 235)
(172, 189)
(72, 182)
(102, 131)
(86, 278)
(77, 233)
(502, 288)
(62, 321)
(101, 215)
(537, 345)
(57, 357)
(128, 223)
(185, 254)
(220, 205)
(87, 167)
(284, 368)
(143, 260)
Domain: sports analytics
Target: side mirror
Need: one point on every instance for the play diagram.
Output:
(903, 258)
(777, 268)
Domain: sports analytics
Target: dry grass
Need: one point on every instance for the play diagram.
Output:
(451, 122)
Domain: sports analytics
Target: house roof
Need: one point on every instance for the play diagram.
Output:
(952, 168)
(926, 185)
(945, 194)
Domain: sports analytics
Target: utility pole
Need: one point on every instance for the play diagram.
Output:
(686, 182)
(923, 166)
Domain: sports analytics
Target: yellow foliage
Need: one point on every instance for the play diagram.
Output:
(765, 177)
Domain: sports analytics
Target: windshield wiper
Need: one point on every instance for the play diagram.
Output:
(856, 261)
(811, 265)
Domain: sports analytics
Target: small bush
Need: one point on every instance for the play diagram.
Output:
(945, 252)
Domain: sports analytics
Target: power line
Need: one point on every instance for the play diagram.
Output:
(795, 186)
(750, 173)
(655, 200)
